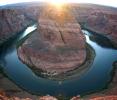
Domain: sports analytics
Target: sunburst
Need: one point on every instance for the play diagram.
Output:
(57, 3)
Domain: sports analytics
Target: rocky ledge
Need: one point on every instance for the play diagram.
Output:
(12, 21)
(99, 19)
(57, 46)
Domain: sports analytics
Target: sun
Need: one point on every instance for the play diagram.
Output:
(57, 3)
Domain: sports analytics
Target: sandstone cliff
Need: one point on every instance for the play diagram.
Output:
(99, 19)
(12, 21)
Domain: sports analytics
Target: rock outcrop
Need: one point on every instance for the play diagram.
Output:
(57, 46)
(4, 97)
(105, 24)
(47, 98)
(110, 97)
(12, 21)
(10, 91)
(99, 19)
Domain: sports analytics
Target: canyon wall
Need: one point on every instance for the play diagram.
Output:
(99, 19)
(12, 21)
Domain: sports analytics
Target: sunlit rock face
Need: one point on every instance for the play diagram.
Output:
(57, 46)
(11, 22)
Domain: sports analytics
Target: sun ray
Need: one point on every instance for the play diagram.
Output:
(57, 3)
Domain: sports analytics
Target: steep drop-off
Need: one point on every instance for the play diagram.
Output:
(12, 21)
(99, 19)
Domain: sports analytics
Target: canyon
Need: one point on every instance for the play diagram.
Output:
(61, 44)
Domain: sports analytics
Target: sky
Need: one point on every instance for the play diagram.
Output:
(112, 3)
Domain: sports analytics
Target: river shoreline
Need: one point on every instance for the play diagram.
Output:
(111, 88)
(14, 36)
(89, 49)
(101, 34)
(108, 90)
(67, 75)
(105, 91)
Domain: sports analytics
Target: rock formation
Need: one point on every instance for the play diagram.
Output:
(99, 19)
(47, 98)
(4, 97)
(12, 21)
(57, 46)
(110, 97)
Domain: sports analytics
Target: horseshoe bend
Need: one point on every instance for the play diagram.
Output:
(67, 51)
(56, 46)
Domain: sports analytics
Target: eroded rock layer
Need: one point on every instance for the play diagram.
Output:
(12, 21)
(57, 46)
(99, 19)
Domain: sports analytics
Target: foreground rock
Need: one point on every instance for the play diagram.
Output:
(4, 97)
(47, 98)
(111, 97)
(57, 46)
(9, 90)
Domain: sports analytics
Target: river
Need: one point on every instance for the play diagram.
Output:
(95, 78)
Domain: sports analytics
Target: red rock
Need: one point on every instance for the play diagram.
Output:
(12, 21)
(76, 98)
(47, 98)
(57, 46)
(99, 19)
(105, 98)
